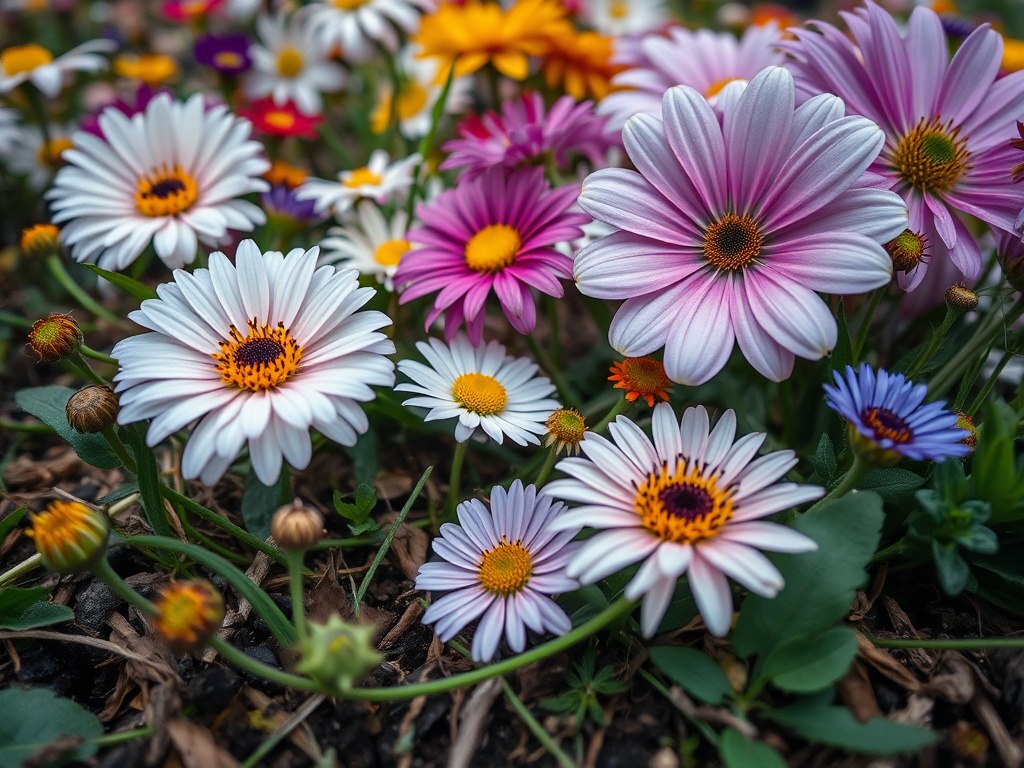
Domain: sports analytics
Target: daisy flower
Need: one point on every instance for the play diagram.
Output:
(257, 351)
(483, 387)
(38, 158)
(491, 232)
(889, 420)
(642, 378)
(526, 132)
(727, 233)
(374, 246)
(228, 53)
(581, 63)
(473, 33)
(704, 60)
(500, 564)
(947, 123)
(279, 201)
(289, 65)
(285, 120)
(689, 502)
(355, 26)
(618, 18)
(171, 175)
(417, 96)
(139, 100)
(378, 180)
(35, 64)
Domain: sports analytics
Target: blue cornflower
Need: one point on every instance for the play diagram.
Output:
(888, 420)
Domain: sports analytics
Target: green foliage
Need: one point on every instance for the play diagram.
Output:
(8, 523)
(48, 405)
(259, 502)
(586, 685)
(809, 664)
(893, 484)
(842, 355)
(125, 283)
(693, 671)
(358, 513)
(737, 751)
(34, 718)
(825, 461)
(148, 475)
(22, 609)
(997, 477)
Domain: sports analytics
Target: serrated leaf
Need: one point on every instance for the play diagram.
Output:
(692, 670)
(48, 404)
(825, 460)
(892, 484)
(125, 283)
(34, 718)
(820, 585)
(812, 664)
(737, 751)
(41, 614)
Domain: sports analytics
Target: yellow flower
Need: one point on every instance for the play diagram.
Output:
(39, 240)
(69, 536)
(479, 32)
(580, 61)
(188, 613)
(566, 428)
(282, 173)
(150, 68)
(1013, 55)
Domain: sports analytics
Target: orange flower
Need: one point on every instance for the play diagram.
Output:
(641, 377)
(69, 536)
(481, 32)
(39, 240)
(188, 613)
(580, 61)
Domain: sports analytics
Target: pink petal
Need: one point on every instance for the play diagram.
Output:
(701, 337)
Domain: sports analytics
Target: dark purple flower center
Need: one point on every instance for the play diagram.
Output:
(887, 424)
(686, 501)
(259, 351)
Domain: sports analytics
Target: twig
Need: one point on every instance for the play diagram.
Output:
(82, 640)
(307, 708)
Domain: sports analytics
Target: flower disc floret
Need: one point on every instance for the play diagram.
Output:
(493, 248)
(932, 156)
(39, 240)
(263, 359)
(641, 377)
(480, 394)
(732, 242)
(681, 505)
(24, 58)
(166, 192)
(505, 569)
(907, 250)
(566, 429)
(188, 613)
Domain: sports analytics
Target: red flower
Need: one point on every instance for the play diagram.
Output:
(186, 10)
(285, 120)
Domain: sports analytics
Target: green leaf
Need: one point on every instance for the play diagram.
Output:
(41, 614)
(365, 501)
(811, 664)
(737, 751)
(950, 567)
(123, 492)
(842, 354)
(892, 484)
(815, 720)
(125, 283)
(149, 480)
(364, 456)
(825, 460)
(34, 718)
(259, 502)
(8, 523)
(995, 477)
(13, 602)
(48, 404)
(820, 585)
(697, 674)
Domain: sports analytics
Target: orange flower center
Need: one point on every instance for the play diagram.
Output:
(506, 569)
(683, 506)
(716, 87)
(390, 253)
(932, 157)
(24, 58)
(166, 192)
(479, 393)
(732, 242)
(263, 359)
(362, 177)
(49, 153)
(887, 424)
(289, 62)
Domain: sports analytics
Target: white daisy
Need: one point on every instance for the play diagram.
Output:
(290, 65)
(354, 25)
(618, 18)
(258, 351)
(374, 246)
(501, 564)
(171, 175)
(483, 386)
(688, 503)
(417, 97)
(35, 64)
(35, 158)
(377, 180)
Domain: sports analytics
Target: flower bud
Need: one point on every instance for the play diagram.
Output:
(1010, 254)
(39, 241)
(55, 337)
(961, 298)
(337, 654)
(566, 427)
(907, 250)
(188, 614)
(965, 422)
(92, 409)
(69, 536)
(295, 526)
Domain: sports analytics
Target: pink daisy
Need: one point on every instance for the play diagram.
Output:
(526, 132)
(730, 228)
(704, 60)
(947, 123)
(491, 231)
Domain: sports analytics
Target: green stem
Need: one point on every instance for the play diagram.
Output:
(565, 392)
(56, 267)
(865, 326)
(989, 384)
(620, 407)
(17, 321)
(88, 352)
(556, 341)
(23, 567)
(76, 359)
(536, 728)
(953, 644)
(889, 552)
(619, 609)
(848, 483)
(120, 449)
(110, 739)
(14, 426)
(102, 571)
(547, 466)
(452, 499)
(934, 343)
(295, 559)
(360, 541)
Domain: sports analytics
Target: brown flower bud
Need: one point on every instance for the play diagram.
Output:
(92, 409)
(907, 250)
(961, 298)
(296, 526)
(188, 613)
(39, 240)
(55, 337)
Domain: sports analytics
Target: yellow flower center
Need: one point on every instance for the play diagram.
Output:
(284, 174)
(24, 58)
(907, 250)
(566, 425)
(188, 612)
(279, 119)
(390, 253)
(363, 176)
(166, 192)
(932, 157)
(506, 569)
(68, 535)
(151, 68)
(263, 359)
(349, 5)
(683, 507)
(228, 59)
(49, 154)
(716, 87)
(492, 248)
(480, 393)
(289, 62)
(618, 9)
(732, 242)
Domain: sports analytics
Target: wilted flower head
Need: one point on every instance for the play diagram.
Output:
(55, 337)
(69, 536)
(566, 429)
(188, 614)
(961, 298)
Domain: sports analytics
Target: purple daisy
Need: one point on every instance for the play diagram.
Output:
(526, 132)
(280, 202)
(888, 421)
(730, 228)
(947, 122)
(228, 53)
(502, 564)
(491, 232)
